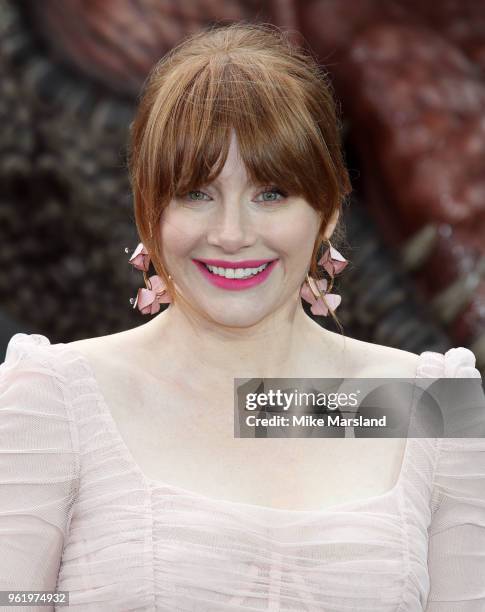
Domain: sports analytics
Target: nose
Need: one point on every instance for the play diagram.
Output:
(231, 228)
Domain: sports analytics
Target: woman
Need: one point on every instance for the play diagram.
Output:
(122, 481)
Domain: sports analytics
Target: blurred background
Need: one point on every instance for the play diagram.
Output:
(410, 78)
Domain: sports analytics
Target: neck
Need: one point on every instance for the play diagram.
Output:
(210, 354)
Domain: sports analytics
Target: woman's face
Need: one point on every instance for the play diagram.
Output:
(233, 221)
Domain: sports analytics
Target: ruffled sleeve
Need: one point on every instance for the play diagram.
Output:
(39, 466)
(456, 550)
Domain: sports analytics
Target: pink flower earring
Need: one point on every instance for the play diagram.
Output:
(148, 299)
(333, 262)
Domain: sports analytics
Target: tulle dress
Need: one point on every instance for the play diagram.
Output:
(77, 514)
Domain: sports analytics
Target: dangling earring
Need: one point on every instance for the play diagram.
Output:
(148, 299)
(333, 262)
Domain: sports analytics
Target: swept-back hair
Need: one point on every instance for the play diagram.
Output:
(252, 79)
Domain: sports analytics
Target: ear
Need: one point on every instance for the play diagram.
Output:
(331, 225)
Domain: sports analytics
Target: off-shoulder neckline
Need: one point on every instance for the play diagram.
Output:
(149, 483)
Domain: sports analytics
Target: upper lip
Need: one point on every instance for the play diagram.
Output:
(246, 263)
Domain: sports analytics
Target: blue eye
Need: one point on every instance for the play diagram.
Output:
(197, 199)
(273, 190)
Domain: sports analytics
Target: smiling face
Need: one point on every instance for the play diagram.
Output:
(242, 224)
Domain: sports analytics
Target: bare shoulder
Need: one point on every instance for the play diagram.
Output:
(106, 351)
(377, 360)
(369, 360)
(113, 362)
(93, 348)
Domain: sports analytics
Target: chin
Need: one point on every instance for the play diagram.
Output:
(235, 317)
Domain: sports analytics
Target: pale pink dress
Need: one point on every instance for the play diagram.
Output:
(77, 514)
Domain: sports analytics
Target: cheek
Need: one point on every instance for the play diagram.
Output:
(177, 235)
(295, 238)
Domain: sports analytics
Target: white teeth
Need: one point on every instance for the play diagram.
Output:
(236, 272)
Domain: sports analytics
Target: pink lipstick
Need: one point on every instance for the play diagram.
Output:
(236, 284)
(244, 263)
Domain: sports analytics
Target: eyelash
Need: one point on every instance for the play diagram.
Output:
(269, 189)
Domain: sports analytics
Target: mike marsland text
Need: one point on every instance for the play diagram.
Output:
(309, 420)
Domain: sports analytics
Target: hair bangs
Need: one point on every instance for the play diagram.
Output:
(279, 141)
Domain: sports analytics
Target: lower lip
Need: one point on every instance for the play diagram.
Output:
(236, 284)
